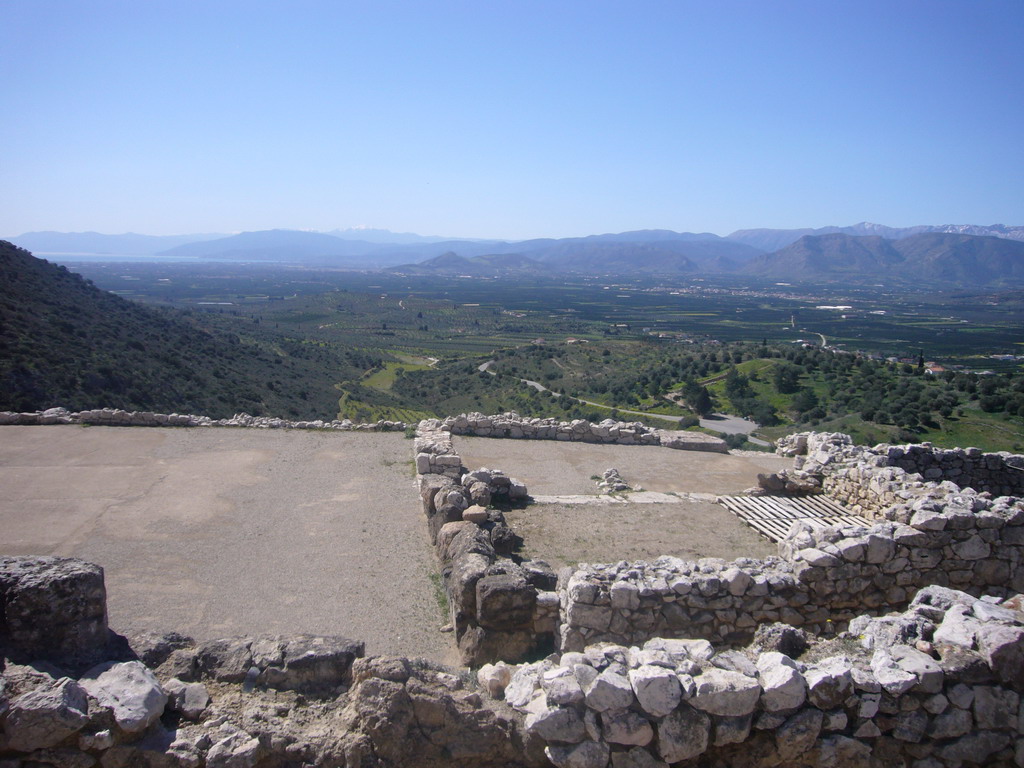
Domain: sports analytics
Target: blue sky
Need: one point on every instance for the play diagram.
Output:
(512, 119)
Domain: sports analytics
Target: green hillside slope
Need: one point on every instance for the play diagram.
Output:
(64, 342)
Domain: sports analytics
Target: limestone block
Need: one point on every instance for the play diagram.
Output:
(559, 725)
(829, 682)
(893, 679)
(725, 693)
(609, 690)
(623, 726)
(1003, 648)
(589, 754)
(657, 689)
(130, 690)
(189, 699)
(53, 608)
(683, 734)
(46, 716)
(929, 674)
(995, 708)
(561, 686)
(782, 684)
(798, 734)
(505, 601)
(238, 750)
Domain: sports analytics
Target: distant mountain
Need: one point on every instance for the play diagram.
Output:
(129, 244)
(929, 257)
(283, 245)
(64, 342)
(490, 265)
(774, 239)
(384, 236)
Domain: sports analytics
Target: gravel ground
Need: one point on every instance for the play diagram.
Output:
(549, 467)
(564, 534)
(218, 532)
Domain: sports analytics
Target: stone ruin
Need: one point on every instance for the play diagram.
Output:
(899, 642)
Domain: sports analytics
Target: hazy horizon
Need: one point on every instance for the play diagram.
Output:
(509, 122)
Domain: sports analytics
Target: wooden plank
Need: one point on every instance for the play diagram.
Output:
(774, 515)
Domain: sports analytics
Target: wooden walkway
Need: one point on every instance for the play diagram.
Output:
(773, 515)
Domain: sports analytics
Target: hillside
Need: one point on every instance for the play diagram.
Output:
(930, 257)
(64, 342)
(491, 265)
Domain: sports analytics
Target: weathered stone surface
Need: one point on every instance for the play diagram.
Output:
(494, 678)
(130, 690)
(829, 682)
(951, 724)
(731, 730)
(226, 660)
(656, 688)
(637, 757)
(995, 709)
(505, 601)
(927, 671)
(521, 686)
(190, 699)
(589, 754)
(683, 735)
(561, 725)
(1002, 647)
(623, 726)
(782, 684)
(53, 608)
(309, 663)
(798, 734)
(45, 717)
(561, 687)
(238, 750)
(891, 676)
(725, 693)
(475, 514)
(609, 690)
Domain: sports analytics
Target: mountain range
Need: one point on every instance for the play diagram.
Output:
(947, 254)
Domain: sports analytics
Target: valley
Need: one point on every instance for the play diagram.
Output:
(621, 347)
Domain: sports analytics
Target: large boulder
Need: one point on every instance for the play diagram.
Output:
(131, 691)
(53, 608)
(46, 716)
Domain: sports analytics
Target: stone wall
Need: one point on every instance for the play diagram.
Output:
(938, 685)
(513, 426)
(922, 533)
(169, 702)
(500, 608)
(114, 417)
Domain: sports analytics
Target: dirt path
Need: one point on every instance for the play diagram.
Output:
(216, 532)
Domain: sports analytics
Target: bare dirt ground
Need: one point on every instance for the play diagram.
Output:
(566, 534)
(563, 534)
(549, 467)
(217, 532)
